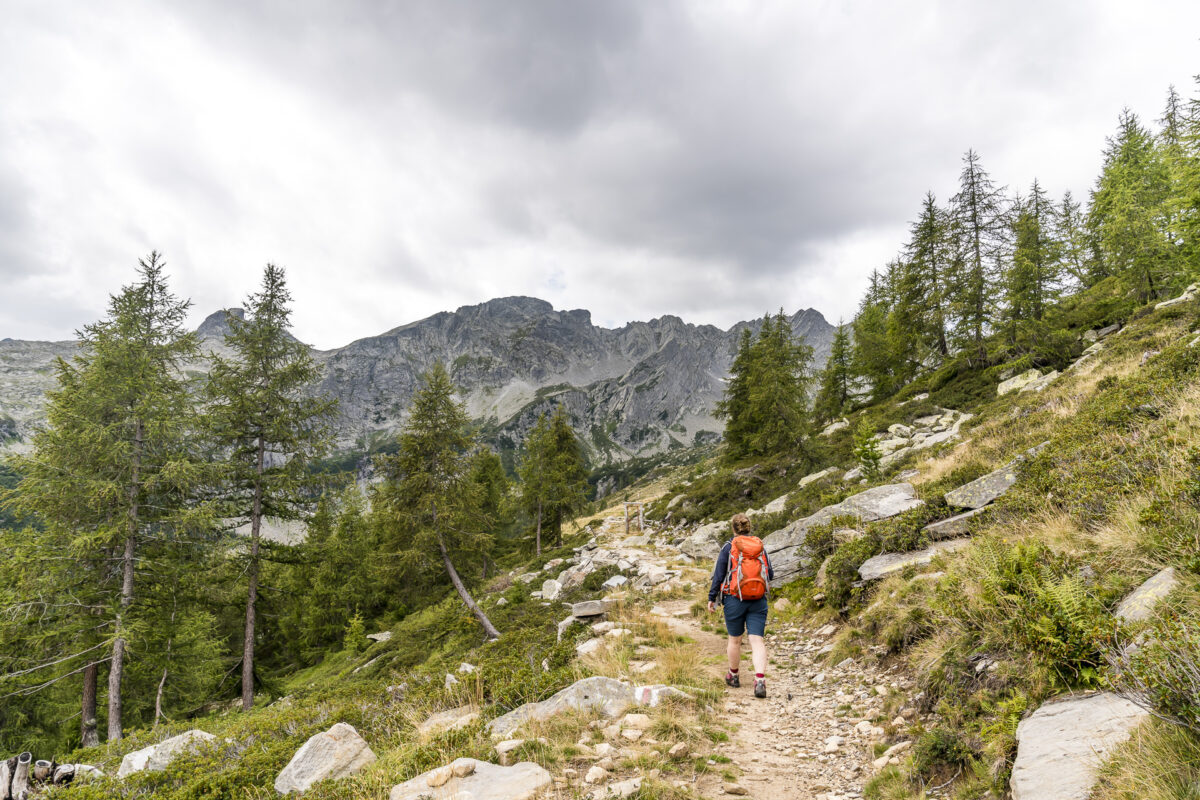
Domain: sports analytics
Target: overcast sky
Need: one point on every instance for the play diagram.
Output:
(712, 160)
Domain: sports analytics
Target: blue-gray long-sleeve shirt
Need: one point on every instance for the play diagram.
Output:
(722, 570)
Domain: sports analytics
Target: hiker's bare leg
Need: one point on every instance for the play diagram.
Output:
(735, 651)
(758, 650)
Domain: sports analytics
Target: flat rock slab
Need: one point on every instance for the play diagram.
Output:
(1018, 382)
(1139, 605)
(589, 608)
(958, 525)
(450, 720)
(1061, 746)
(1041, 383)
(336, 753)
(785, 546)
(484, 782)
(981, 491)
(890, 563)
(607, 695)
(157, 757)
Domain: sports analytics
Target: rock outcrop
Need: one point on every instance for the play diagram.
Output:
(469, 779)
(981, 491)
(609, 696)
(336, 753)
(1062, 744)
(887, 564)
(785, 547)
(158, 757)
(1139, 605)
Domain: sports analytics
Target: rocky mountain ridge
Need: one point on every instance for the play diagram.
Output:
(637, 390)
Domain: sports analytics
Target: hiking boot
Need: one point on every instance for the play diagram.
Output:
(760, 687)
(732, 680)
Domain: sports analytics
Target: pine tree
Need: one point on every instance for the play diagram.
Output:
(922, 285)
(114, 474)
(872, 359)
(1031, 282)
(766, 399)
(268, 430)
(837, 378)
(553, 475)
(1076, 264)
(428, 508)
(1130, 214)
(979, 222)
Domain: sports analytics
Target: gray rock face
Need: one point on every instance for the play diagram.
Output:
(887, 564)
(1060, 746)
(785, 547)
(451, 719)
(336, 753)
(609, 696)
(958, 525)
(158, 757)
(646, 385)
(1139, 605)
(477, 780)
(981, 491)
(1018, 382)
(706, 541)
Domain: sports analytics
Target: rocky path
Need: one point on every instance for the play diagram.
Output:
(816, 733)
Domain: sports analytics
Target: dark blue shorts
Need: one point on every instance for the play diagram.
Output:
(742, 616)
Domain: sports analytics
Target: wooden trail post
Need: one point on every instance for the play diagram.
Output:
(641, 516)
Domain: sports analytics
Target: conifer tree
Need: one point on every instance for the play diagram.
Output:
(1076, 264)
(427, 507)
(979, 223)
(872, 360)
(114, 474)
(866, 450)
(268, 430)
(553, 475)
(1031, 282)
(922, 286)
(766, 399)
(1130, 213)
(837, 378)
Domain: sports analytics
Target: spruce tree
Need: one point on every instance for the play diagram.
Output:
(1031, 282)
(427, 506)
(837, 378)
(553, 475)
(114, 474)
(1130, 211)
(268, 431)
(922, 286)
(979, 224)
(1076, 265)
(872, 359)
(734, 405)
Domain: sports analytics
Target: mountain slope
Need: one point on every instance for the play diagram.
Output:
(639, 389)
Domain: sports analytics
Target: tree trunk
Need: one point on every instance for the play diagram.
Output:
(117, 668)
(252, 594)
(484, 622)
(539, 528)
(89, 736)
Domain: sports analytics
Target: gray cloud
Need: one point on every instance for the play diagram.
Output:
(404, 157)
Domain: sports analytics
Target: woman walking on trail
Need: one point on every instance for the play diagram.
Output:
(739, 582)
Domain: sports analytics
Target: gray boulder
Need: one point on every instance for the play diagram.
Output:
(887, 564)
(981, 491)
(477, 780)
(450, 720)
(336, 753)
(1061, 746)
(1139, 605)
(158, 757)
(958, 525)
(551, 589)
(1018, 382)
(1041, 383)
(705, 542)
(589, 608)
(606, 695)
(828, 472)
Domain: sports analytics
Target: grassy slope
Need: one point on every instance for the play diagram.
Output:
(1110, 501)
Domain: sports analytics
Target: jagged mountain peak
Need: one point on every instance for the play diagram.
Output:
(216, 324)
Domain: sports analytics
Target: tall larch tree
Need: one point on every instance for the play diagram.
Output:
(121, 477)
(1031, 282)
(979, 224)
(836, 390)
(268, 431)
(923, 285)
(427, 507)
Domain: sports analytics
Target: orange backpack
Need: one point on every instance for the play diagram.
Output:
(747, 575)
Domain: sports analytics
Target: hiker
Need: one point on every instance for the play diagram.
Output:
(739, 582)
